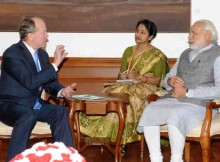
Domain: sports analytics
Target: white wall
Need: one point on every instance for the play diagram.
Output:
(113, 44)
(206, 9)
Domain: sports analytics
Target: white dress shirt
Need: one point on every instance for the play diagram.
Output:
(55, 68)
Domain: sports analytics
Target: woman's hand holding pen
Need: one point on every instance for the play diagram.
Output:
(132, 75)
(123, 75)
(128, 75)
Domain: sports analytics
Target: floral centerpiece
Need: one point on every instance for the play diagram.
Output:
(51, 152)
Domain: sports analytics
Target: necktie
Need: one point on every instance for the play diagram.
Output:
(36, 61)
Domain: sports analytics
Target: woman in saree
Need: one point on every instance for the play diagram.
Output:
(143, 63)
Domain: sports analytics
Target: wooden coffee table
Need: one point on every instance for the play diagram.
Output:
(101, 106)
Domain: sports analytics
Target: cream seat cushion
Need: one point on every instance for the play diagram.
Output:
(195, 132)
(40, 128)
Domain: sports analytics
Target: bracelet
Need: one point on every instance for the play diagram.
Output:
(139, 78)
(146, 79)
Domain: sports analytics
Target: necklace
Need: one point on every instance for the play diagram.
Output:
(132, 56)
(140, 48)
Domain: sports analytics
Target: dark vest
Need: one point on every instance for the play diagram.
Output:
(199, 72)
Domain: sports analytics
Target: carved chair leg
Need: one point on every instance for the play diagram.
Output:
(187, 152)
(142, 145)
(44, 140)
(0, 147)
(121, 154)
(205, 145)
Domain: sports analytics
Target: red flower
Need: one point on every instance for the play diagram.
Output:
(56, 152)
(43, 148)
(18, 157)
(44, 158)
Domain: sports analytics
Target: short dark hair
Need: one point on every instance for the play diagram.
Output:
(27, 25)
(150, 26)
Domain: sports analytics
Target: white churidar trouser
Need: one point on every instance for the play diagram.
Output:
(176, 139)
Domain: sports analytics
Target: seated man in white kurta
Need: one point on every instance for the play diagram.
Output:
(193, 80)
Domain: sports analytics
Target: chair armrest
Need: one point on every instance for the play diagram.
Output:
(205, 131)
(158, 94)
(152, 97)
(217, 101)
(55, 100)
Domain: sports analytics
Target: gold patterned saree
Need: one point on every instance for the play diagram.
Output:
(151, 62)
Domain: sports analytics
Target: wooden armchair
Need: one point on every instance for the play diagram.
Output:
(206, 131)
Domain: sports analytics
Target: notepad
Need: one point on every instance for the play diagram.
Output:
(123, 81)
(161, 93)
(128, 81)
(87, 97)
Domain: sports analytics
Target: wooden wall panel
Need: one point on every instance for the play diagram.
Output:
(90, 74)
(97, 15)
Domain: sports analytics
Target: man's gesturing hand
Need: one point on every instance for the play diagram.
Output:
(69, 90)
(59, 55)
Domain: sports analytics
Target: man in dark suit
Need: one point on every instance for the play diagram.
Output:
(22, 81)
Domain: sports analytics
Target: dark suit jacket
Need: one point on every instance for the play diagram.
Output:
(20, 81)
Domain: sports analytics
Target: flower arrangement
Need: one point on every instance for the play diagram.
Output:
(51, 152)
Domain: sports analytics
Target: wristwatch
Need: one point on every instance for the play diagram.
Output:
(186, 92)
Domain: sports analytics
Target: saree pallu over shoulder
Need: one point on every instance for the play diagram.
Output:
(153, 59)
